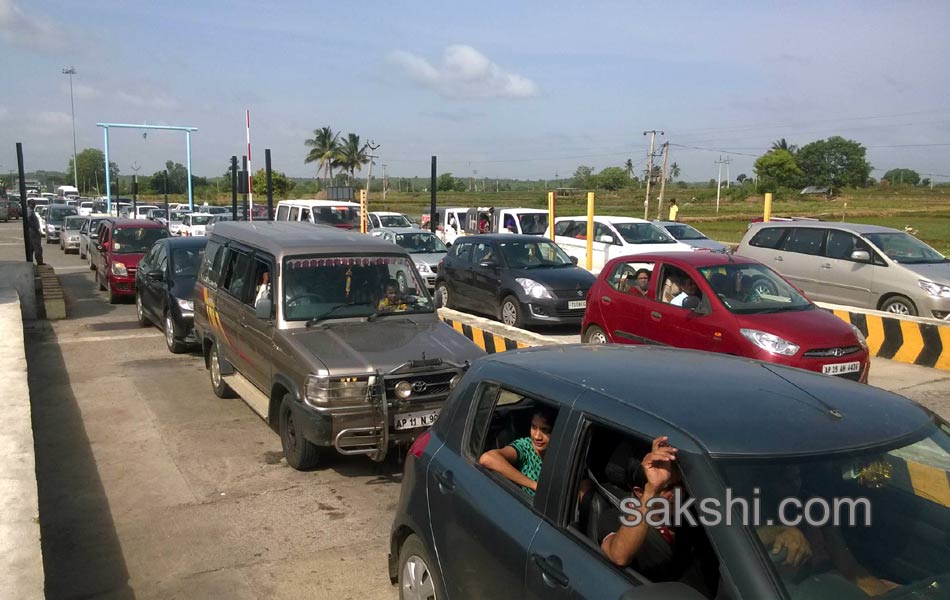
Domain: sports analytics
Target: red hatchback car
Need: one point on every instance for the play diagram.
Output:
(120, 246)
(719, 303)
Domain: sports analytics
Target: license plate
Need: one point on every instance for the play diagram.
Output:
(419, 418)
(576, 304)
(841, 368)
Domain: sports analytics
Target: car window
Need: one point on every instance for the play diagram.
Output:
(676, 285)
(282, 212)
(631, 276)
(484, 253)
(604, 234)
(211, 264)
(768, 237)
(515, 427)
(841, 244)
(161, 255)
(463, 252)
(562, 227)
(294, 213)
(185, 261)
(149, 257)
(261, 276)
(805, 240)
(305, 214)
(235, 274)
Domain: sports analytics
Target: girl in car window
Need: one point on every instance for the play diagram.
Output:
(520, 461)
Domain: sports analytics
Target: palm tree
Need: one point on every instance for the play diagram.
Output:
(324, 150)
(352, 155)
(674, 171)
(783, 145)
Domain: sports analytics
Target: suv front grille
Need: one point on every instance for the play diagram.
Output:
(426, 386)
(832, 352)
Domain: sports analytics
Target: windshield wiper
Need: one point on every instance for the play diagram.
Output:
(326, 314)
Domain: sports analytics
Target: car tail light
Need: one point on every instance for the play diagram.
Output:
(419, 446)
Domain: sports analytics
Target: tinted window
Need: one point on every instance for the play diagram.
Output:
(563, 227)
(135, 240)
(211, 265)
(841, 244)
(236, 273)
(463, 252)
(282, 213)
(768, 237)
(483, 253)
(805, 240)
(185, 261)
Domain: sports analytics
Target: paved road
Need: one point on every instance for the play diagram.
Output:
(151, 487)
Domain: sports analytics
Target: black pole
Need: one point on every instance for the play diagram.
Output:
(234, 187)
(270, 186)
(135, 198)
(433, 216)
(27, 248)
(168, 215)
(244, 184)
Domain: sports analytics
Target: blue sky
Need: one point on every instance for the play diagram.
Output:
(510, 89)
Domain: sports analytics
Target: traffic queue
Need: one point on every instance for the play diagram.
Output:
(521, 464)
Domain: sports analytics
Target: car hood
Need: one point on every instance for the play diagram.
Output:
(937, 272)
(430, 259)
(183, 287)
(384, 344)
(560, 278)
(810, 329)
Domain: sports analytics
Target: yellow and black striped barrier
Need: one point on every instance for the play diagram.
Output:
(486, 340)
(492, 336)
(924, 342)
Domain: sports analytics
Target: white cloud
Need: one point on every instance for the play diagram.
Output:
(49, 123)
(20, 29)
(155, 102)
(465, 73)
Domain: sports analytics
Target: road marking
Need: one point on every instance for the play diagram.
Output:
(104, 338)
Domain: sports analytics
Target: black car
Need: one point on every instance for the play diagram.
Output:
(743, 430)
(520, 279)
(164, 288)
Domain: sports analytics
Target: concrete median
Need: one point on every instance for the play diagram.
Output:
(492, 336)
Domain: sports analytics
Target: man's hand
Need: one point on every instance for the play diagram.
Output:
(658, 465)
(794, 541)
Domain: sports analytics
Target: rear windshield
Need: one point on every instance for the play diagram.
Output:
(685, 232)
(345, 217)
(136, 240)
(57, 215)
(200, 219)
(643, 233)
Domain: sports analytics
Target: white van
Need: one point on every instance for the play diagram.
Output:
(613, 237)
(67, 191)
(344, 215)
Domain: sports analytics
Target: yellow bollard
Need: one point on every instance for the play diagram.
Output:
(767, 214)
(552, 199)
(363, 216)
(590, 230)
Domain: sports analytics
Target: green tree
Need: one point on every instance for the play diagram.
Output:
(324, 150)
(92, 169)
(783, 145)
(611, 178)
(353, 155)
(925, 181)
(777, 168)
(835, 162)
(582, 176)
(446, 183)
(282, 185)
(741, 178)
(902, 177)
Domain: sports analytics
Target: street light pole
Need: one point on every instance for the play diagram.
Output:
(72, 71)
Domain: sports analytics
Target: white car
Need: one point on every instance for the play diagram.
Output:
(194, 224)
(375, 220)
(613, 236)
(142, 210)
(86, 207)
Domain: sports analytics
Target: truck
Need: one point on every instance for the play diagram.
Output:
(67, 191)
(490, 219)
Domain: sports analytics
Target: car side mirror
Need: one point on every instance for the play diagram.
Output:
(263, 309)
(488, 264)
(156, 275)
(861, 256)
(605, 239)
(574, 260)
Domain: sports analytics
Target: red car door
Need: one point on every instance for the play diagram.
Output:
(623, 307)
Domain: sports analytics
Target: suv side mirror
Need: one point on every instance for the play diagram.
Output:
(574, 260)
(605, 239)
(263, 309)
(861, 256)
(488, 264)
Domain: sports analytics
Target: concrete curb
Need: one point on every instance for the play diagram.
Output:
(21, 558)
(492, 336)
(53, 298)
(913, 340)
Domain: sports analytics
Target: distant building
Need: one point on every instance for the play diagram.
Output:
(814, 190)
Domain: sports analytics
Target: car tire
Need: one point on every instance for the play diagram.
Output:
(510, 312)
(595, 335)
(300, 453)
(900, 305)
(140, 315)
(417, 575)
(175, 346)
(763, 287)
(442, 289)
(220, 388)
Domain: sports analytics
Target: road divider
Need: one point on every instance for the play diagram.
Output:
(492, 336)
(913, 340)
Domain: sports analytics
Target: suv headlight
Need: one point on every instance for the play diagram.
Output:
(119, 270)
(861, 339)
(934, 289)
(770, 342)
(534, 289)
(186, 305)
(323, 391)
(423, 268)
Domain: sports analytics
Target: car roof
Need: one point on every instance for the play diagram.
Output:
(604, 219)
(730, 406)
(403, 230)
(296, 237)
(852, 227)
(304, 202)
(140, 223)
(502, 237)
(185, 242)
(386, 213)
(694, 259)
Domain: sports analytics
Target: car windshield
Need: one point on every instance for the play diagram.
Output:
(421, 243)
(136, 240)
(394, 221)
(873, 519)
(185, 261)
(94, 227)
(534, 255)
(156, 214)
(345, 217)
(332, 287)
(684, 232)
(643, 233)
(217, 210)
(58, 215)
(73, 222)
(753, 289)
(533, 223)
(905, 249)
(200, 219)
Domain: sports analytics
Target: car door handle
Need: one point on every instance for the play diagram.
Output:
(551, 570)
(656, 316)
(826, 266)
(606, 299)
(446, 481)
(778, 259)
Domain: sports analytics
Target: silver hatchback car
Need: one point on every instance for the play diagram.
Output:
(866, 266)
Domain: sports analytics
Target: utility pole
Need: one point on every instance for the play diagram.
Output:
(719, 162)
(385, 181)
(659, 202)
(728, 178)
(474, 180)
(72, 106)
(646, 202)
(369, 175)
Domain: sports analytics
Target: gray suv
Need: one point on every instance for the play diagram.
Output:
(313, 329)
(866, 266)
